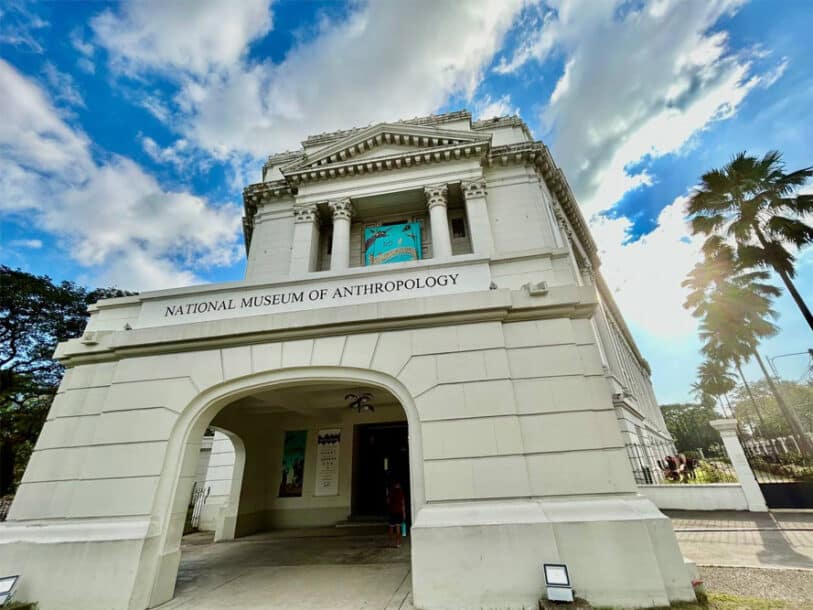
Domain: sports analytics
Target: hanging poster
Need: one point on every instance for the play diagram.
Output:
(327, 462)
(293, 464)
(394, 243)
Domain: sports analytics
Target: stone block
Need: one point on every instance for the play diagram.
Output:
(482, 336)
(46, 500)
(570, 431)
(358, 350)
(88, 376)
(266, 357)
(203, 367)
(449, 480)
(236, 362)
(441, 402)
(591, 359)
(500, 477)
(84, 401)
(435, 340)
(327, 351)
(174, 394)
(533, 333)
(603, 471)
(135, 426)
(130, 460)
(123, 497)
(55, 465)
(297, 353)
(483, 436)
(392, 352)
(548, 361)
(67, 432)
(419, 374)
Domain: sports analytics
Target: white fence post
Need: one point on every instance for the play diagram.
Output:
(753, 494)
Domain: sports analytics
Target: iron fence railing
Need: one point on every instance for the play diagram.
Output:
(778, 460)
(5, 506)
(660, 462)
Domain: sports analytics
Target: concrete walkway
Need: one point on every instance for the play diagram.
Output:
(313, 569)
(759, 540)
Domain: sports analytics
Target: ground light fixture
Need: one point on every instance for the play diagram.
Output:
(557, 581)
(7, 584)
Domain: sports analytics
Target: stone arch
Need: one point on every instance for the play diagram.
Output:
(161, 556)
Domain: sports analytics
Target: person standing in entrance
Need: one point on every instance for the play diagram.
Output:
(396, 504)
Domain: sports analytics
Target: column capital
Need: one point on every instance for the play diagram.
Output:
(473, 188)
(306, 213)
(341, 208)
(436, 194)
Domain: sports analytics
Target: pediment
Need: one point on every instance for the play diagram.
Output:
(387, 140)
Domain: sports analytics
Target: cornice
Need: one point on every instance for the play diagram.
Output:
(440, 154)
(257, 194)
(369, 138)
(500, 122)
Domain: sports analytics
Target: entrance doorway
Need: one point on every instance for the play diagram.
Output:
(380, 458)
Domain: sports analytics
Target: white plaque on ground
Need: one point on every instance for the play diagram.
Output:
(327, 462)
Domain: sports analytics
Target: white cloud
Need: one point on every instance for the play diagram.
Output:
(19, 26)
(192, 35)
(86, 50)
(487, 108)
(32, 244)
(358, 70)
(639, 82)
(110, 216)
(178, 153)
(63, 87)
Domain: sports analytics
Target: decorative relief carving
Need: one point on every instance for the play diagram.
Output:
(473, 188)
(306, 213)
(436, 195)
(341, 208)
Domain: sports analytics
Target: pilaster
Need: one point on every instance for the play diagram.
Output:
(306, 239)
(474, 193)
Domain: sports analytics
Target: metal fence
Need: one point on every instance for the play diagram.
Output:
(661, 463)
(5, 505)
(778, 460)
(196, 502)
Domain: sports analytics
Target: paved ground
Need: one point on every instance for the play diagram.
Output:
(768, 540)
(352, 568)
(314, 569)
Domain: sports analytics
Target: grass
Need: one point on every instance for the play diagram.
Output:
(724, 601)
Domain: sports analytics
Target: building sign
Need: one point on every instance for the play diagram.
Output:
(352, 289)
(293, 463)
(327, 462)
(395, 243)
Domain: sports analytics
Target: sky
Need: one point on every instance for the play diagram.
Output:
(128, 130)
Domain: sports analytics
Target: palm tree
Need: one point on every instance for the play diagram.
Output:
(754, 202)
(714, 379)
(735, 311)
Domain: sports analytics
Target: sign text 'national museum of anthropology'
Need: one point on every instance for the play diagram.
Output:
(436, 269)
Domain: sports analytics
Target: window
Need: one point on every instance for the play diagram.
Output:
(458, 227)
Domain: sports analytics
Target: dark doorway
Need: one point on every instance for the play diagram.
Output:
(380, 456)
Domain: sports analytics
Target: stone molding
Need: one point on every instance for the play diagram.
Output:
(473, 188)
(341, 208)
(306, 213)
(436, 195)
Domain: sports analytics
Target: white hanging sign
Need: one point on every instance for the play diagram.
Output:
(327, 462)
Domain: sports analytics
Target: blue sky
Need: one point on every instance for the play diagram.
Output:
(131, 128)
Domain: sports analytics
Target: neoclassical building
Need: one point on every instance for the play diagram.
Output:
(422, 304)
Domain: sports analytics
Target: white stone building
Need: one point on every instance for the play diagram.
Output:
(441, 267)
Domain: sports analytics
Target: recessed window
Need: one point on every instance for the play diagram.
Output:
(458, 227)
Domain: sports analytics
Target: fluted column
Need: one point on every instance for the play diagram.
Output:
(474, 193)
(342, 211)
(436, 201)
(306, 239)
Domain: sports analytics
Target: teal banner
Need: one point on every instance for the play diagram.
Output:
(293, 463)
(392, 243)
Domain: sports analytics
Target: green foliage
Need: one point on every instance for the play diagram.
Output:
(798, 396)
(35, 315)
(689, 426)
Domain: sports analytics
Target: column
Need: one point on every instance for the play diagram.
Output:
(474, 193)
(438, 220)
(306, 239)
(340, 246)
(753, 494)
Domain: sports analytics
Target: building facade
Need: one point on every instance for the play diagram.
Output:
(422, 303)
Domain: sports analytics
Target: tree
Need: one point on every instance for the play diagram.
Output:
(689, 425)
(714, 380)
(798, 395)
(734, 305)
(35, 315)
(753, 202)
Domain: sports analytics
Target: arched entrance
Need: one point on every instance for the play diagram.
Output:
(282, 418)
